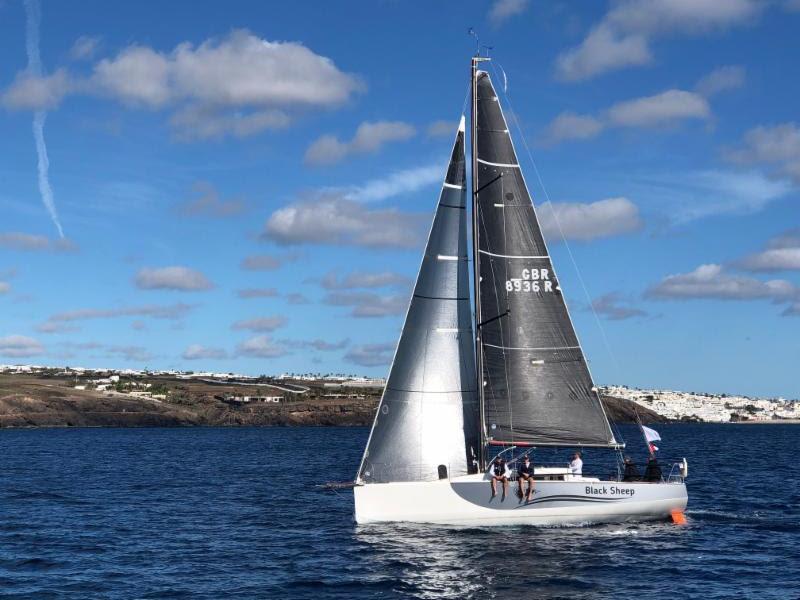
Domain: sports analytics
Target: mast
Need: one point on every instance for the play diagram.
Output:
(475, 254)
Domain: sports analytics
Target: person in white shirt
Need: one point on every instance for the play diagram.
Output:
(576, 466)
(500, 472)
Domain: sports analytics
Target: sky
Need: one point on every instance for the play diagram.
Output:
(242, 187)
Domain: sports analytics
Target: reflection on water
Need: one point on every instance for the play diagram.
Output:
(445, 562)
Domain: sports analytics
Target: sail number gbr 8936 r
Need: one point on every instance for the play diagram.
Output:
(531, 280)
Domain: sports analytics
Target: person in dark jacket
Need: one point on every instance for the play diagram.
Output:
(631, 472)
(525, 473)
(652, 472)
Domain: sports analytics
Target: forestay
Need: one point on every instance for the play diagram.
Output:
(537, 386)
(428, 415)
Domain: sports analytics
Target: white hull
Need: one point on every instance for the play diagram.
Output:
(467, 501)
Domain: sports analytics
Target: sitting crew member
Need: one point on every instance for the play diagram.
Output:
(525, 473)
(631, 473)
(576, 466)
(652, 472)
(499, 472)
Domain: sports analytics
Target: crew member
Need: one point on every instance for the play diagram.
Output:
(652, 472)
(576, 466)
(525, 473)
(499, 472)
(631, 473)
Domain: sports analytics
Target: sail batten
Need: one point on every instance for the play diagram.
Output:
(428, 414)
(536, 385)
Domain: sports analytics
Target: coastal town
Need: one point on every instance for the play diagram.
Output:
(707, 408)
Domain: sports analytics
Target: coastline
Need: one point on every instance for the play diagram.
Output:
(29, 402)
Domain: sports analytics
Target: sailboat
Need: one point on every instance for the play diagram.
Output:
(461, 391)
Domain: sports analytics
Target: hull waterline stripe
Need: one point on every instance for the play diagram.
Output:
(501, 165)
(512, 256)
(533, 349)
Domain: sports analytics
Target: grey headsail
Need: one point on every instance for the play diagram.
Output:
(536, 385)
(428, 415)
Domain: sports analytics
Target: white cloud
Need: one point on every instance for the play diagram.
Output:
(369, 138)
(172, 278)
(208, 203)
(237, 85)
(502, 10)
(782, 254)
(55, 327)
(622, 38)
(442, 128)
(405, 181)
(370, 355)
(665, 108)
(602, 51)
(261, 324)
(571, 126)
(15, 240)
(261, 346)
(334, 220)
(170, 312)
(774, 259)
(707, 193)
(84, 47)
(201, 122)
(615, 308)
(585, 222)
(267, 262)
(37, 92)
(361, 279)
(369, 305)
(20, 346)
(198, 352)
(777, 146)
(721, 79)
(712, 282)
(669, 106)
(249, 293)
(325, 346)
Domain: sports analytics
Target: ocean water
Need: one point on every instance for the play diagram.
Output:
(233, 513)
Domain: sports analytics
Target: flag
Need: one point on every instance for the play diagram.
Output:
(653, 448)
(651, 435)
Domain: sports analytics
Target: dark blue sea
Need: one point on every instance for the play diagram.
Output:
(233, 513)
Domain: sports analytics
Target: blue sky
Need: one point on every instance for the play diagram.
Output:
(245, 188)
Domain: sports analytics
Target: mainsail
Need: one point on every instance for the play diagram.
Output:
(536, 385)
(428, 415)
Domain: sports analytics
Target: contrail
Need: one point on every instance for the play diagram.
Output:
(34, 13)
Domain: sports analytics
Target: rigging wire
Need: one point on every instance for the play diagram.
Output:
(606, 342)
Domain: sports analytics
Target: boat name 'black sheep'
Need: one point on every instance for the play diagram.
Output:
(606, 491)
